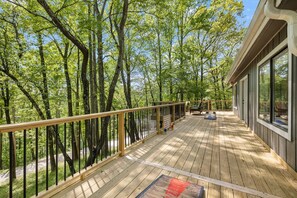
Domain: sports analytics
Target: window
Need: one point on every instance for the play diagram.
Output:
(273, 91)
(280, 90)
(264, 92)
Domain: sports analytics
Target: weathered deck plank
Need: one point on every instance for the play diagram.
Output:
(223, 150)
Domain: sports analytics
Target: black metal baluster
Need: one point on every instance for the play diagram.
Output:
(25, 160)
(147, 122)
(126, 129)
(85, 144)
(79, 136)
(113, 134)
(140, 134)
(129, 127)
(99, 134)
(109, 139)
(10, 164)
(73, 142)
(92, 143)
(46, 159)
(141, 124)
(102, 123)
(116, 133)
(71, 133)
(36, 162)
(57, 156)
(96, 137)
(65, 129)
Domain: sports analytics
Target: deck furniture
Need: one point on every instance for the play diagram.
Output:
(196, 108)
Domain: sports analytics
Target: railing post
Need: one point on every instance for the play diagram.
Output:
(179, 111)
(158, 120)
(208, 105)
(121, 131)
(173, 116)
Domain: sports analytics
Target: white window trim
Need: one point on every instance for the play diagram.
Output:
(275, 51)
(235, 107)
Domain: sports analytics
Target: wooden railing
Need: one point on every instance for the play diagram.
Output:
(213, 105)
(60, 152)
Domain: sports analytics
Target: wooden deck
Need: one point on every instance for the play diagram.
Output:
(221, 155)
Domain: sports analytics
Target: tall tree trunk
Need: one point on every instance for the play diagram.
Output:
(77, 112)
(171, 69)
(45, 99)
(181, 55)
(73, 140)
(101, 84)
(93, 80)
(133, 132)
(121, 45)
(201, 79)
(146, 76)
(160, 66)
(84, 67)
(75, 148)
(224, 92)
(12, 142)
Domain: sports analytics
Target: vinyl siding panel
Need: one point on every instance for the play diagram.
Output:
(287, 150)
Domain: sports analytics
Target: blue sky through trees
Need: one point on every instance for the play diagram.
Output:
(249, 10)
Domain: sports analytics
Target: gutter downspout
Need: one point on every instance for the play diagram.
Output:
(290, 17)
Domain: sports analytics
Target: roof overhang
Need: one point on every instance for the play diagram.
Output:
(260, 31)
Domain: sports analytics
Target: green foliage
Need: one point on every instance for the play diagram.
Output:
(181, 48)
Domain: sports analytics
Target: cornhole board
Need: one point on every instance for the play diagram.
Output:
(165, 186)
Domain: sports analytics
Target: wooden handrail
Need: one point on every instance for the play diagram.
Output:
(42, 123)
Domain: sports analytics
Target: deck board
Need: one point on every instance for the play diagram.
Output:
(221, 149)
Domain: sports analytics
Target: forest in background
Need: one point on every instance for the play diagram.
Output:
(71, 57)
(63, 58)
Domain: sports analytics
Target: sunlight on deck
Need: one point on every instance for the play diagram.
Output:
(221, 155)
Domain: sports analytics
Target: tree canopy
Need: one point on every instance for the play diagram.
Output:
(70, 57)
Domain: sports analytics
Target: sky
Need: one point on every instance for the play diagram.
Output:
(249, 10)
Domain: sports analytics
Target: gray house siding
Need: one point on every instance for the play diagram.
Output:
(287, 150)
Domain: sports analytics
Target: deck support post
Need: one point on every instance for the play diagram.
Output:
(121, 131)
(158, 120)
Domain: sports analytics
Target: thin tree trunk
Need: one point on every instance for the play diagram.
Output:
(103, 144)
(84, 67)
(170, 69)
(12, 142)
(160, 66)
(45, 99)
(77, 85)
(182, 55)
(73, 140)
(133, 132)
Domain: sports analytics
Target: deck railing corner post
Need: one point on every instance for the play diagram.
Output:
(158, 120)
(185, 109)
(121, 131)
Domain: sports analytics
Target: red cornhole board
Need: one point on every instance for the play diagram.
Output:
(169, 187)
